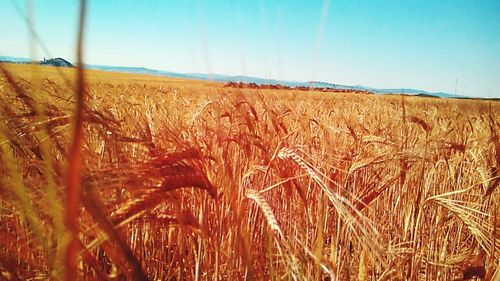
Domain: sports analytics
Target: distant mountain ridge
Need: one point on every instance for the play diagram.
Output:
(235, 78)
(407, 91)
(58, 62)
(137, 70)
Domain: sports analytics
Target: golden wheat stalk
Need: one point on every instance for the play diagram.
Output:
(362, 227)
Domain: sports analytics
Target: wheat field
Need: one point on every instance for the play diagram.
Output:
(191, 180)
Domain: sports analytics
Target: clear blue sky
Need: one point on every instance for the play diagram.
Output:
(387, 44)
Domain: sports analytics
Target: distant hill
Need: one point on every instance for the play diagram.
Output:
(237, 78)
(137, 70)
(246, 79)
(406, 91)
(58, 62)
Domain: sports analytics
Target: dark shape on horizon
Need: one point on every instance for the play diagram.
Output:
(427, 95)
(311, 87)
(59, 62)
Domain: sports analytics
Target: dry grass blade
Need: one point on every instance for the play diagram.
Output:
(95, 209)
(74, 159)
